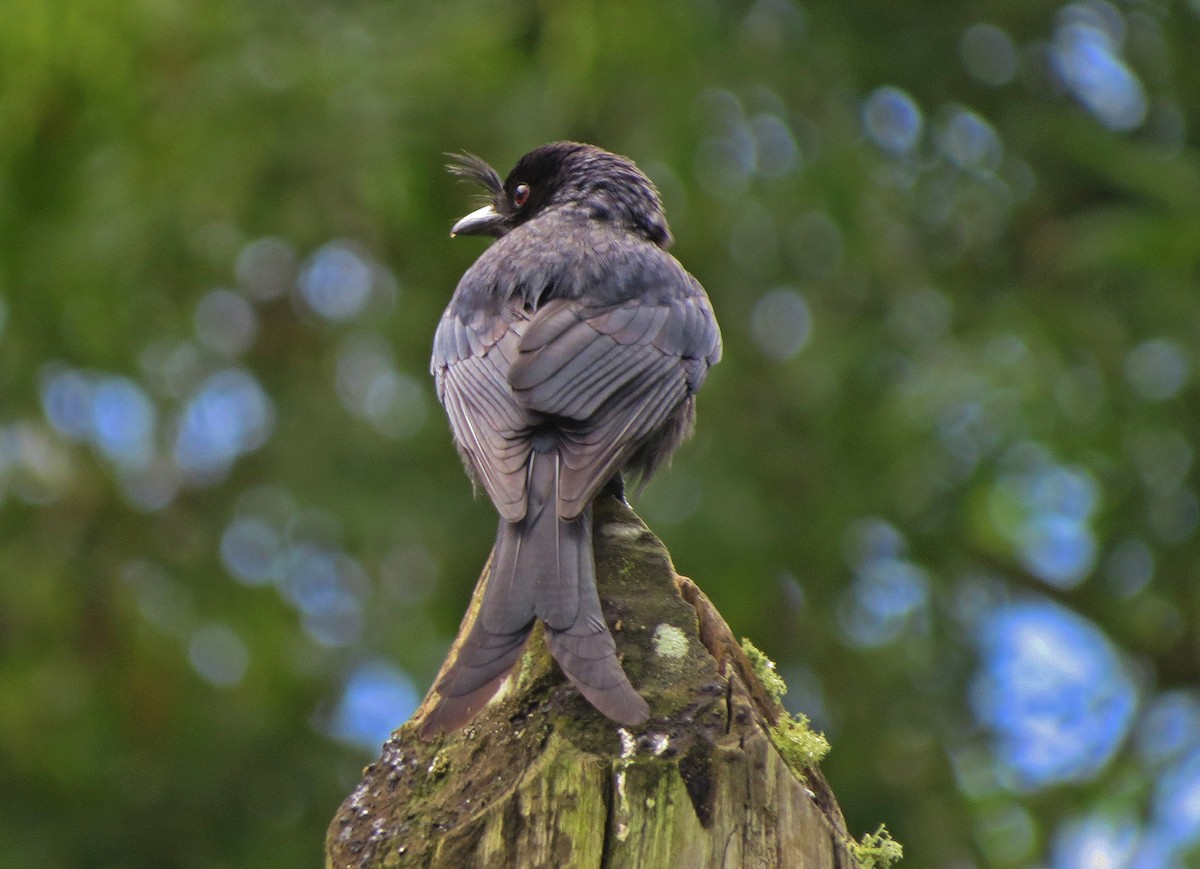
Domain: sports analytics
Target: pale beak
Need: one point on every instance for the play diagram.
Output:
(481, 221)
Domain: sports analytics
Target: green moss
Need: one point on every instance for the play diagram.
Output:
(764, 669)
(525, 672)
(877, 850)
(799, 744)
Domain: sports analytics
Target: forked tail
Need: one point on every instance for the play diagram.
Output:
(542, 567)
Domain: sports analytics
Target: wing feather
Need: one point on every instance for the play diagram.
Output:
(490, 426)
(612, 377)
(619, 439)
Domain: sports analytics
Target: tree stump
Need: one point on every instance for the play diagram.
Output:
(540, 779)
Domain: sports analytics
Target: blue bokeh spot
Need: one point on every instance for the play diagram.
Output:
(1053, 692)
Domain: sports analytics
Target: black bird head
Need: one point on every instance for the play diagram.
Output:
(567, 175)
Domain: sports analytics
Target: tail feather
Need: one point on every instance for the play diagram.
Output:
(599, 679)
(472, 680)
(567, 601)
(542, 567)
(495, 641)
(558, 553)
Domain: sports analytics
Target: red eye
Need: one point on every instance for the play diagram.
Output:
(520, 195)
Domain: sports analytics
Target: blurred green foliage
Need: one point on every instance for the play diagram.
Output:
(954, 252)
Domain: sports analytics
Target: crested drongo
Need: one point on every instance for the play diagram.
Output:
(571, 351)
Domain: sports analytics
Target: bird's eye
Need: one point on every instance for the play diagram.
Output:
(520, 195)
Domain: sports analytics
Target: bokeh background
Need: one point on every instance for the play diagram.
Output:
(946, 475)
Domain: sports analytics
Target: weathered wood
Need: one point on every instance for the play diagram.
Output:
(540, 779)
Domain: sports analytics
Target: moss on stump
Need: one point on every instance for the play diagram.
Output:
(540, 779)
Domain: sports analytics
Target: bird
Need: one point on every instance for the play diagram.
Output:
(569, 355)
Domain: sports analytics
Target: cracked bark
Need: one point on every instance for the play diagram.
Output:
(540, 779)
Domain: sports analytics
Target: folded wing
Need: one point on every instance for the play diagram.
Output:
(610, 378)
(491, 428)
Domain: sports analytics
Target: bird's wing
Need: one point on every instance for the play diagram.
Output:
(611, 377)
(470, 360)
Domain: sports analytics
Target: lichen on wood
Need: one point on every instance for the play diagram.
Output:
(800, 745)
(877, 850)
(539, 778)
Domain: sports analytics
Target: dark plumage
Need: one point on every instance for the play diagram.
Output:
(571, 350)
